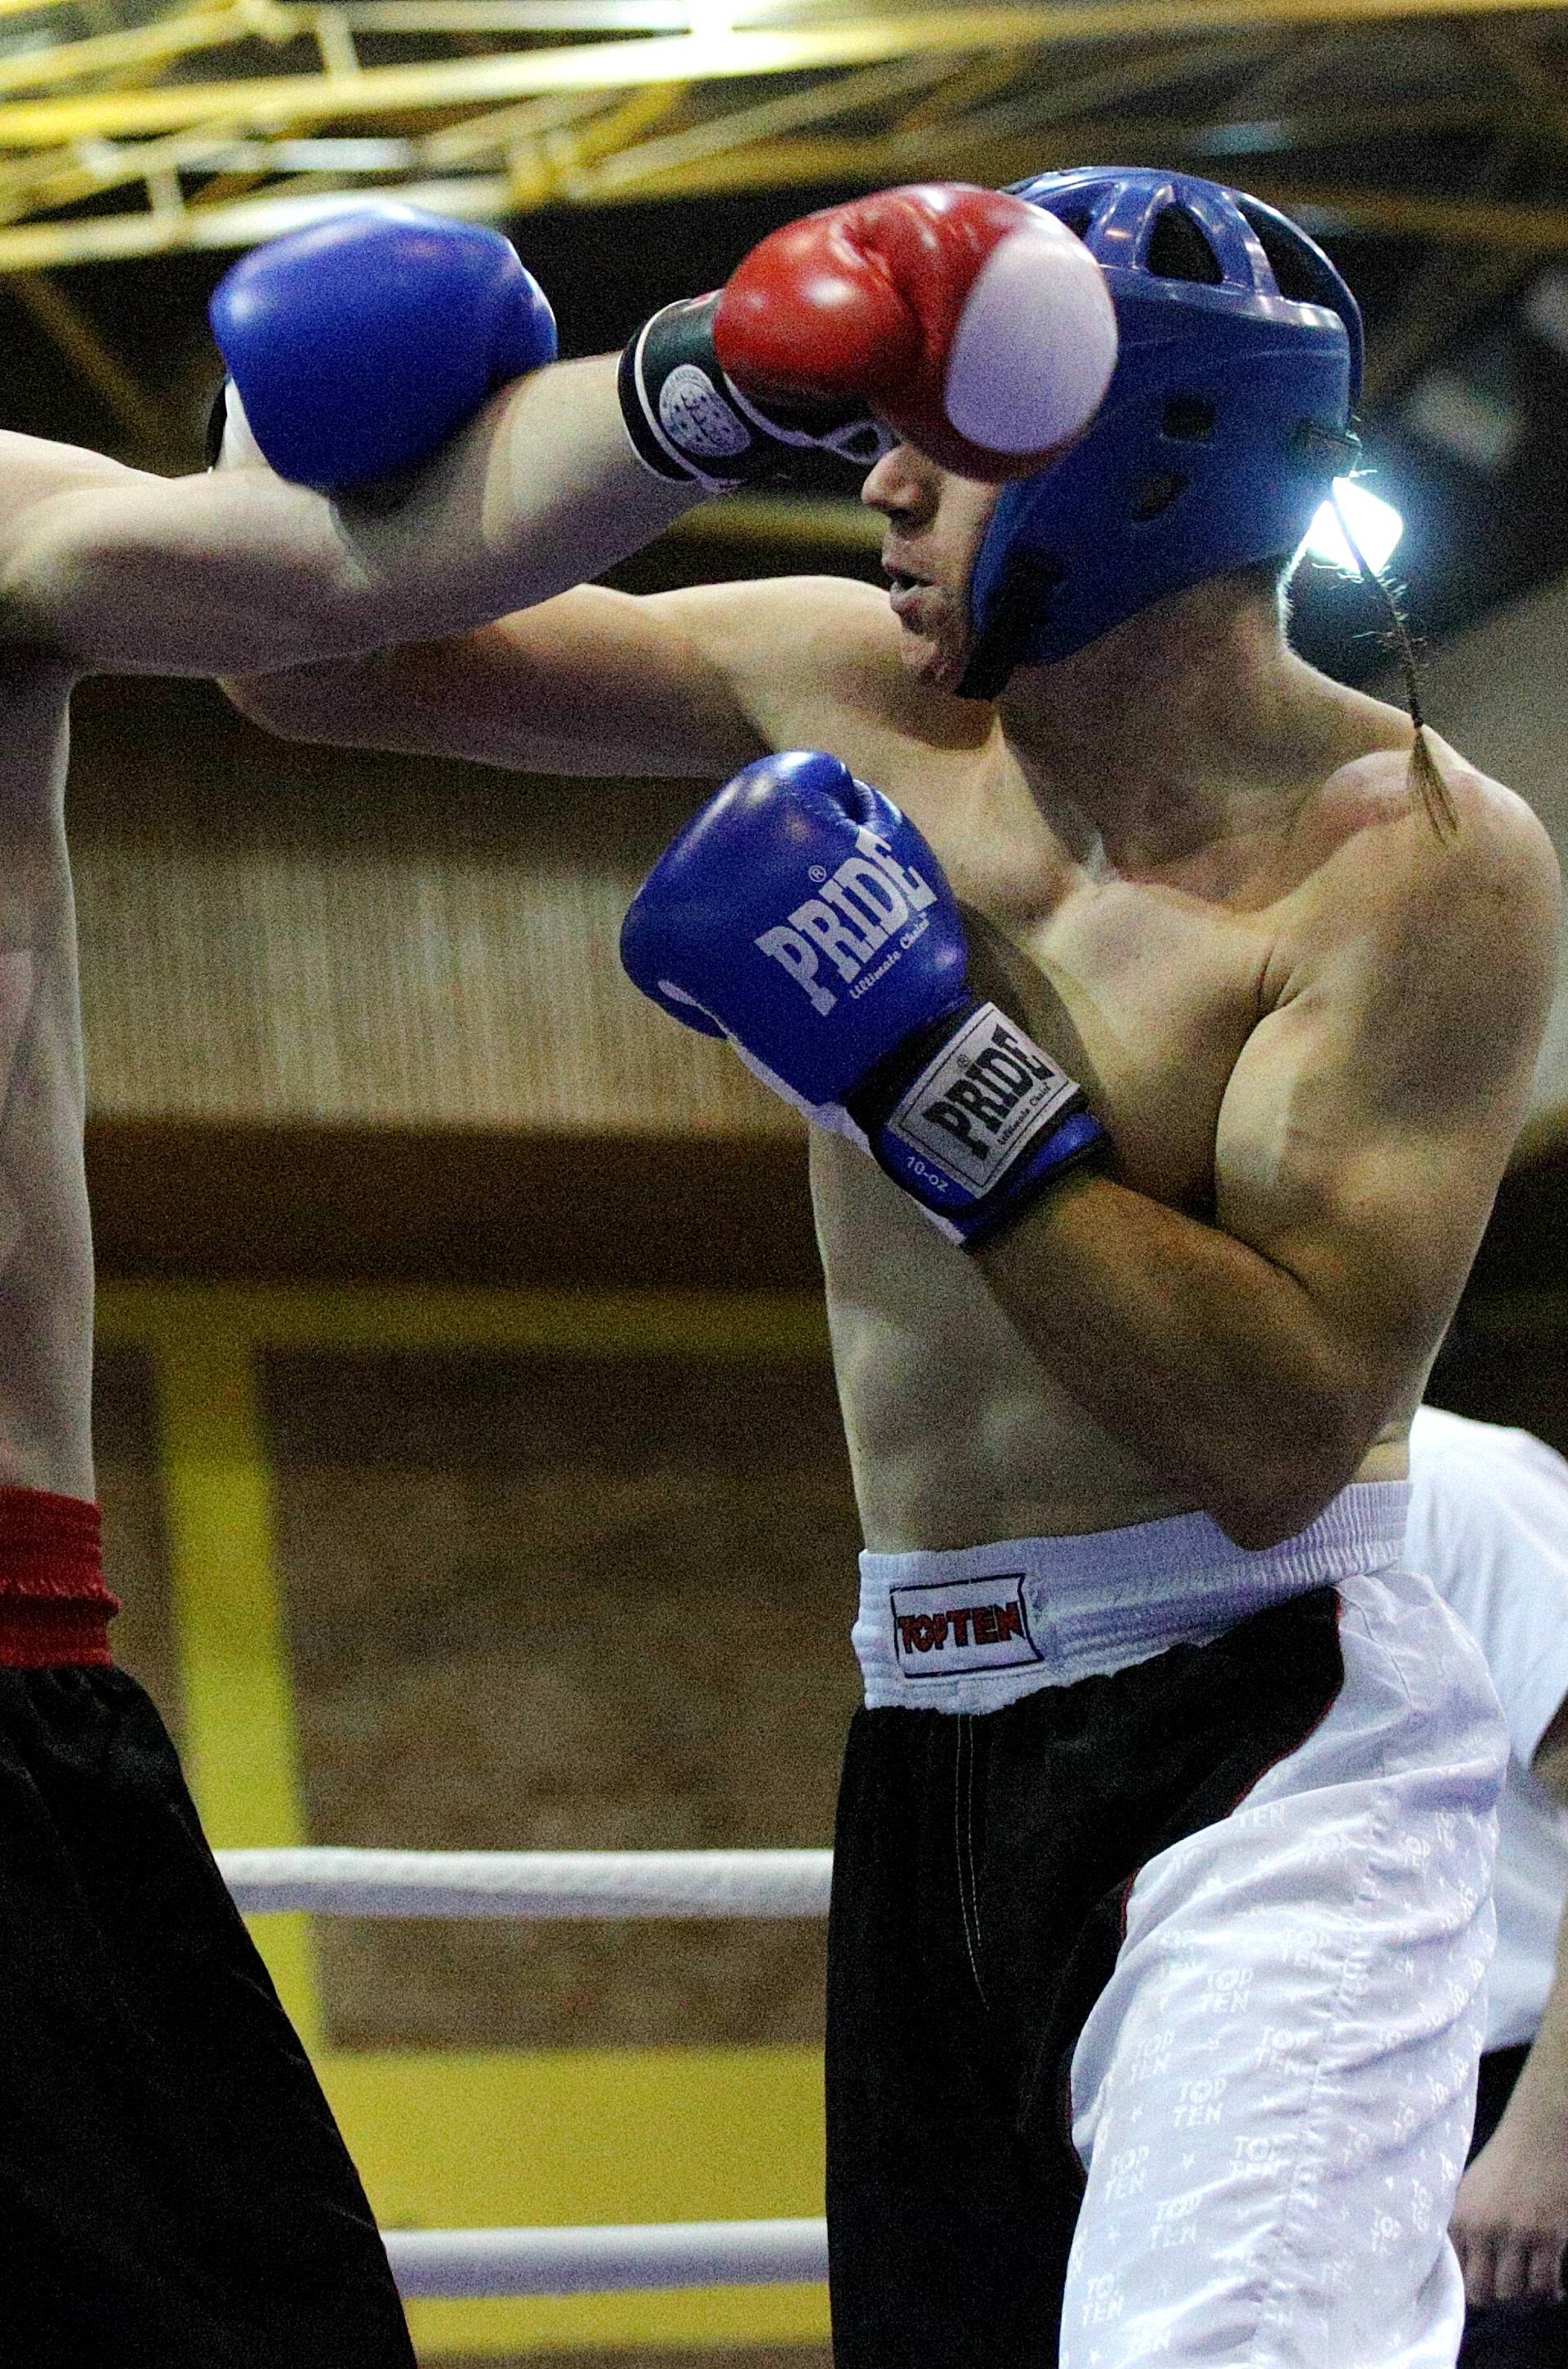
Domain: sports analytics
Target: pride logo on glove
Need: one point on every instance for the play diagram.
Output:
(989, 1091)
(857, 1011)
(853, 913)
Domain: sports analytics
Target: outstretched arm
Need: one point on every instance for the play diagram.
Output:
(892, 301)
(238, 572)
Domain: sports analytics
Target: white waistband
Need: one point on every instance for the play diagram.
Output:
(974, 1628)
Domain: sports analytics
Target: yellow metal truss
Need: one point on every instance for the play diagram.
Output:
(215, 124)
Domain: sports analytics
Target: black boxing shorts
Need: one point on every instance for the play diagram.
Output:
(174, 2192)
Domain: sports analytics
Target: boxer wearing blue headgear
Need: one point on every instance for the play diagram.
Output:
(1225, 423)
(1160, 1061)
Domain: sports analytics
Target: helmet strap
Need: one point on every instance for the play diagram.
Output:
(1016, 615)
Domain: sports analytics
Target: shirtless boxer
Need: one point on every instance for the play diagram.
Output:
(1160, 1910)
(173, 2192)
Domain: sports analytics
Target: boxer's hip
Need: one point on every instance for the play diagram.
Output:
(975, 1628)
(54, 1607)
(1214, 1797)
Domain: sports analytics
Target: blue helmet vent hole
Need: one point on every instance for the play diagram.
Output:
(1189, 419)
(1178, 250)
(1298, 271)
(1156, 494)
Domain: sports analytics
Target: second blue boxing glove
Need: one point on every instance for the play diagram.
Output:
(801, 916)
(359, 346)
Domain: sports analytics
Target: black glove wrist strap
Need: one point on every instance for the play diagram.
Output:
(688, 420)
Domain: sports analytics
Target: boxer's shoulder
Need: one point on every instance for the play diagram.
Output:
(814, 662)
(1432, 937)
(1369, 843)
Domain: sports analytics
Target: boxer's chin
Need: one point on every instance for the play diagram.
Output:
(933, 639)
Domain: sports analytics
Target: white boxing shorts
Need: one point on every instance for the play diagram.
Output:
(1160, 1924)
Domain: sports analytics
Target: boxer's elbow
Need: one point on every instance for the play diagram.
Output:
(1270, 1491)
(298, 703)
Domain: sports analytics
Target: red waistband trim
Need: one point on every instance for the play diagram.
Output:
(54, 1607)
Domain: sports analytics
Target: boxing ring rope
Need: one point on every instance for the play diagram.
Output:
(451, 2265)
(535, 1884)
(448, 2264)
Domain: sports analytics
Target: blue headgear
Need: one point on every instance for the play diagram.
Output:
(1226, 421)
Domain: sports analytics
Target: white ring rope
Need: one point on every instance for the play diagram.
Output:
(708, 1884)
(457, 2264)
(451, 2265)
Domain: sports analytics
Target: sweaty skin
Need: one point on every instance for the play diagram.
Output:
(1192, 868)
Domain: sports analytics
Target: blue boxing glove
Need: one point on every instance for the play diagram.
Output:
(358, 347)
(802, 917)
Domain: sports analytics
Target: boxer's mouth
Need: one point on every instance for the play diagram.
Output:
(904, 588)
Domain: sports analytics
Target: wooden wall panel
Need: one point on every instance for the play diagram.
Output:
(281, 934)
(444, 1204)
(562, 1604)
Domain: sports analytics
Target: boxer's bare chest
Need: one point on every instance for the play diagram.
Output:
(1145, 982)
(1143, 978)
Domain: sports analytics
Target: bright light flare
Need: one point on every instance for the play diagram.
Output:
(1376, 524)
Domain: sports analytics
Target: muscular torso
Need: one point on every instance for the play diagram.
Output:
(46, 1271)
(1146, 988)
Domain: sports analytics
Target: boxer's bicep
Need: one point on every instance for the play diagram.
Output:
(1375, 1217)
(1370, 1116)
(235, 571)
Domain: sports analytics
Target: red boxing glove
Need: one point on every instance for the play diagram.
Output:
(977, 324)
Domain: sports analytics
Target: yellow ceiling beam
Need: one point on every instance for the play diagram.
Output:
(288, 99)
(795, 524)
(782, 164)
(81, 342)
(122, 238)
(977, 154)
(654, 162)
(502, 130)
(182, 33)
(1515, 229)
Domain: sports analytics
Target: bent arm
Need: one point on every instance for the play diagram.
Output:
(237, 572)
(1252, 1363)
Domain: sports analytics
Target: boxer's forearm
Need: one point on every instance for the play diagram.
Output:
(1204, 1360)
(1539, 2103)
(1510, 2218)
(237, 572)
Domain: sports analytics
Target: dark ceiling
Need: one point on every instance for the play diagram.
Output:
(1428, 146)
